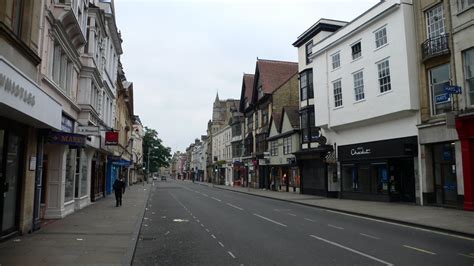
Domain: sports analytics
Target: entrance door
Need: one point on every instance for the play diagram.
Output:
(407, 180)
(10, 156)
(445, 174)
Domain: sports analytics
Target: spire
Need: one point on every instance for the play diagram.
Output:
(217, 96)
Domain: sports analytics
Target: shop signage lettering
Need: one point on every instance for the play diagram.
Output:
(442, 98)
(452, 89)
(16, 90)
(66, 138)
(360, 151)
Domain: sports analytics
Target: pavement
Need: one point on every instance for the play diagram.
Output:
(99, 234)
(429, 217)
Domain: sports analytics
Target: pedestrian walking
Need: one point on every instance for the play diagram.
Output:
(119, 189)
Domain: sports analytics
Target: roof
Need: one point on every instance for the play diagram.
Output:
(321, 25)
(247, 90)
(274, 73)
(276, 120)
(293, 114)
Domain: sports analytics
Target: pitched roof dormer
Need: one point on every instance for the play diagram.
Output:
(246, 92)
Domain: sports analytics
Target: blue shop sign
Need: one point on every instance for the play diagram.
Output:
(452, 89)
(442, 98)
(122, 163)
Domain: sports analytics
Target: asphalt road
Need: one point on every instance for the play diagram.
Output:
(191, 224)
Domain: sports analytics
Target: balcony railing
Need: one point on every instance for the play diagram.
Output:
(435, 46)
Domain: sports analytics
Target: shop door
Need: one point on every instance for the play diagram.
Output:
(407, 180)
(10, 156)
(445, 174)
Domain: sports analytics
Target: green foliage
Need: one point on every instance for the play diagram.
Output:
(152, 146)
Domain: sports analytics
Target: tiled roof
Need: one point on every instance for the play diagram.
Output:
(293, 114)
(274, 73)
(276, 116)
(248, 82)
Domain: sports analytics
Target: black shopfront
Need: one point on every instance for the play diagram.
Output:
(380, 170)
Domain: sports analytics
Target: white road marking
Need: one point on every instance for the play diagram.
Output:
(420, 250)
(204, 194)
(307, 219)
(220, 243)
(352, 250)
(403, 225)
(232, 255)
(167, 233)
(369, 236)
(233, 206)
(197, 220)
(291, 214)
(213, 236)
(337, 227)
(216, 199)
(464, 255)
(270, 220)
(202, 225)
(207, 230)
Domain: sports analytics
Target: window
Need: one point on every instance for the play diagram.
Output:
(356, 51)
(309, 131)
(260, 92)
(359, 85)
(56, 72)
(380, 37)
(469, 74)
(70, 173)
(250, 123)
(265, 116)
(435, 21)
(306, 85)
(464, 4)
(287, 145)
(440, 77)
(336, 60)
(274, 148)
(309, 52)
(256, 119)
(384, 76)
(365, 178)
(337, 93)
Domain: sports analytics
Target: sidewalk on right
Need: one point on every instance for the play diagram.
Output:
(429, 217)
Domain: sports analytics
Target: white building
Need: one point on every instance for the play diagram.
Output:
(366, 101)
(222, 154)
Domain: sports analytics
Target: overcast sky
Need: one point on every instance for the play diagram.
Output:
(180, 53)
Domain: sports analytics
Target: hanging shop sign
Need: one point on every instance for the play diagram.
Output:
(442, 98)
(111, 138)
(88, 130)
(64, 138)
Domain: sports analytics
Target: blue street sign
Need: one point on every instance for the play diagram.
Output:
(442, 98)
(452, 89)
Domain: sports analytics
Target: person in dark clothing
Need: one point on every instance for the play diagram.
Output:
(119, 188)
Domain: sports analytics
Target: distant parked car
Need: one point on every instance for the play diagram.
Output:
(155, 178)
(163, 178)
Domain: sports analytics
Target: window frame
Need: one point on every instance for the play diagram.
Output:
(356, 54)
(274, 148)
(469, 75)
(430, 21)
(464, 5)
(359, 94)
(336, 63)
(385, 71)
(306, 92)
(337, 93)
(309, 52)
(431, 87)
(382, 38)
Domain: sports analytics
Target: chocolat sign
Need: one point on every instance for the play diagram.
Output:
(400, 147)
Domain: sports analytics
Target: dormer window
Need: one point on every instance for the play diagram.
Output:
(260, 92)
(309, 52)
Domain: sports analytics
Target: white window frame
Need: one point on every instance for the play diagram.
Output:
(380, 37)
(274, 148)
(336, 60)
(432, 94)
(434, 26)
(309, 52)
(287, 145)
(359, 53)
(337, 92)
(465, 4)
(358, 77)
(385, 84)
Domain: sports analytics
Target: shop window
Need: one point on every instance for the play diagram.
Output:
(83, 191)
(70, 173)
(365, 178)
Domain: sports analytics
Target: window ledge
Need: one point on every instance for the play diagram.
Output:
(460, 12)
(382, 46)
(359, 101)
(357, 59)
(338, 107)
(384, 93)
(335, 69)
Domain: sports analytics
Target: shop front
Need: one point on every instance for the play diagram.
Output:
(465, 129)
(380, 170)
(313, 171)
(25, 111)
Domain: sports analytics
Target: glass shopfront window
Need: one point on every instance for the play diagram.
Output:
(70, 172)
(83, 174)
(365, 178)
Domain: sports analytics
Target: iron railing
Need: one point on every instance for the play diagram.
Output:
(435, 46)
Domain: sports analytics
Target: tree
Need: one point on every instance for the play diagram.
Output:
(153, 147)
